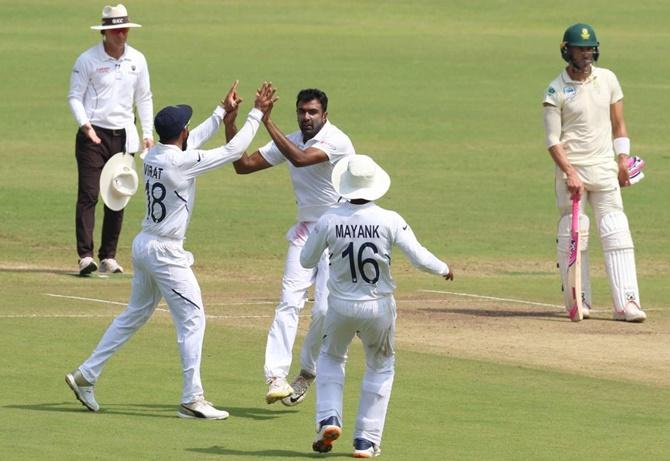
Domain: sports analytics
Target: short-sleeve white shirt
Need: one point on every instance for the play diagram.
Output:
(312, 185)
(586, 127)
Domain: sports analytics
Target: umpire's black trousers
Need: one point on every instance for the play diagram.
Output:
(91, 158)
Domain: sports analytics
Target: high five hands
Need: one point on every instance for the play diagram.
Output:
(264, 101)
(265, 98)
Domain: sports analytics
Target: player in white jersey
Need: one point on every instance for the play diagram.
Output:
(585, 129)
(162, 268)
(311, 153)
(359, 236)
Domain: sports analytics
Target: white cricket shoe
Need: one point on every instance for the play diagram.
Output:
(586, 312)
(82, 389)
(630, 313)
(329, 431)
(365, 449)
(87, 265)
(110, 266)
(300, 387)
(201, 409)
(279, 388)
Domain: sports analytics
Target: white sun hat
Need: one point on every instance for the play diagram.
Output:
(118, 181)
(115, 17)
(359, 177)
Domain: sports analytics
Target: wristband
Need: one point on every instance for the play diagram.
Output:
(621, 146)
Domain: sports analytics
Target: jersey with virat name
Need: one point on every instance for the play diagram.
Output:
(359, 239)
(169, 173)
(586, 127)
(312, 184)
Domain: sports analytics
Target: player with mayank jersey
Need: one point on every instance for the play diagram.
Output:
(359, 236)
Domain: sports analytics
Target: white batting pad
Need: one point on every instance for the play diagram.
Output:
(614, 232)
(619, 259)
(621, 272)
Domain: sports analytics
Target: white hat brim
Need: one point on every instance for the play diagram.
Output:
(375, 190)
(112, 168)
(128, 25)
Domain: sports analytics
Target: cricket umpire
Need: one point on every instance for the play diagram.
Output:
(587, 138)
(107, 81)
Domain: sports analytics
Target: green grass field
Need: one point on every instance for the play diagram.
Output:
(446, 95)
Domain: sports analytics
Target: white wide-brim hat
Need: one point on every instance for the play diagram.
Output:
(359, 177)
(115, 17)
(118, 181)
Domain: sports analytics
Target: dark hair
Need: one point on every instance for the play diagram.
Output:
(310, 94)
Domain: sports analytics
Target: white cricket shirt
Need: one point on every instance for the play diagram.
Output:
(103, 90)
(586, 128)
(359, 239)
(312, 184)
(169, 173)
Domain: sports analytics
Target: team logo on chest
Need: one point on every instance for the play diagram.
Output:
(569, 92)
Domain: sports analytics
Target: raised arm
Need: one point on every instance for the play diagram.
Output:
(246, 163)
(204, 160)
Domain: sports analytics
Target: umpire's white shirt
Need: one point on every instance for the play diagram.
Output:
(169, 173)
(103, 90)
(312, 184)
(359, 239)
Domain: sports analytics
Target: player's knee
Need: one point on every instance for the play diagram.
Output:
(614, 232)
(564, 230)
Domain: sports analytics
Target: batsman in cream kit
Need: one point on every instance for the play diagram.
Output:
(587, 138)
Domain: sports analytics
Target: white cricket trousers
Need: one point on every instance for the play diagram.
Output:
(374, 323)
(162, 268)
(296, 281)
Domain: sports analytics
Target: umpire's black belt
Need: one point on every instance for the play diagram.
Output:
(111, 132)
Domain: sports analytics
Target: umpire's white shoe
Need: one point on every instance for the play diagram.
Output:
(365, 449)
(87, 265)
(329, 431)
(279, 388)
(200, 409)
(630, 313)
(82, 389)
(300, 387)
(110, 266)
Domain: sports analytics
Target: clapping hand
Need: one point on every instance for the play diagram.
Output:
(232, 101)
(265, 98)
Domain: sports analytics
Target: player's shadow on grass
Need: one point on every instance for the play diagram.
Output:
(147, 410)
(223, 451)
(504, 313)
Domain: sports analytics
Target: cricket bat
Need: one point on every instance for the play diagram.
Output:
(575, 266)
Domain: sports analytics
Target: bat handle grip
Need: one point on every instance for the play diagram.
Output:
(575, 214)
